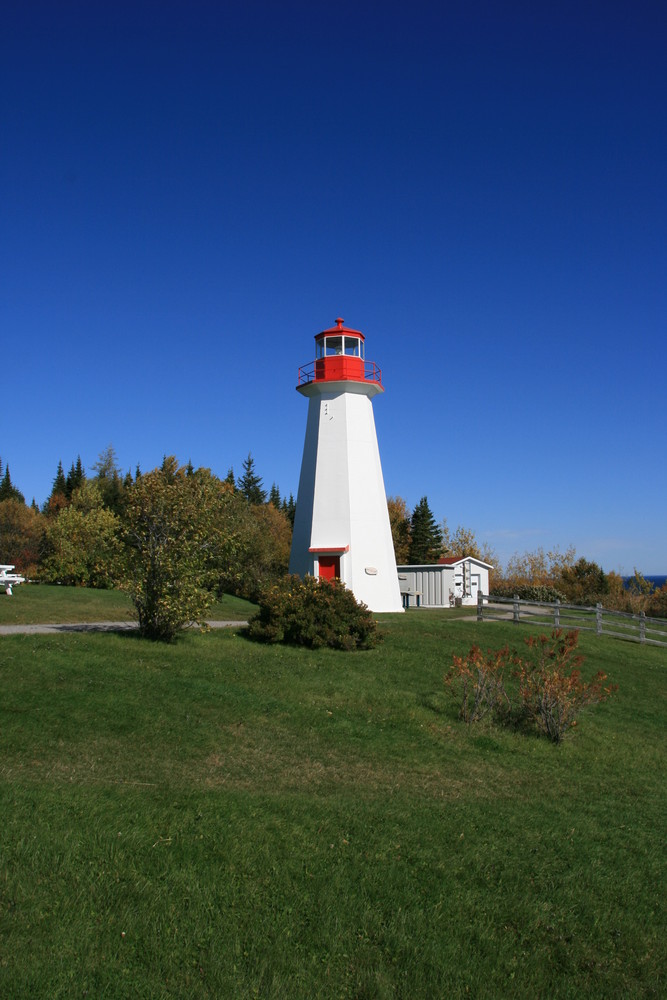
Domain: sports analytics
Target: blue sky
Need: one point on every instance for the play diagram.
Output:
(191, 191)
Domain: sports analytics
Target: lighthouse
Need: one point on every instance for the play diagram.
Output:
(341, 527)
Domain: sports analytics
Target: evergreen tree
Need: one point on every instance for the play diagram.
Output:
(59, 483)
(7, 489)
(288, 507)
(57, 498)
(229, 478)
(274, 496)
(426, 536)
(75, 478)
(250, 484)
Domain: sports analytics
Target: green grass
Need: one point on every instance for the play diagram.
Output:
(218, 818)
(45, 604)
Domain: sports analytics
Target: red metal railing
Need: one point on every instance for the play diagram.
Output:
(310, 373)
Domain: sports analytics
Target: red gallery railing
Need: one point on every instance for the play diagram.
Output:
(315, 372)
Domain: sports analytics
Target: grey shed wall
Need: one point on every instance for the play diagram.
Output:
(434, 582)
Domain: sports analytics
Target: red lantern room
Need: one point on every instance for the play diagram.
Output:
(339, 357)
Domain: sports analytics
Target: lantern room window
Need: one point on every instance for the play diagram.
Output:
(327, 347)
(354, 347)
(334, 345)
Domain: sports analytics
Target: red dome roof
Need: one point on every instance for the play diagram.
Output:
(340, 329)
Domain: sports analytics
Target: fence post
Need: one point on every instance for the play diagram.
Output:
(557, 613)
(515, 609)
(598, 619)
(642, 626)
(480, 606)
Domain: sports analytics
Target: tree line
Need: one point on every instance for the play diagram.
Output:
(81, 535)
(207, 535)
(539, 575)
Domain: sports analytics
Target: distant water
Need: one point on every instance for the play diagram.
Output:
(657, 581)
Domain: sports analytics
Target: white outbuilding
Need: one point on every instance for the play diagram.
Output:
(449, 582)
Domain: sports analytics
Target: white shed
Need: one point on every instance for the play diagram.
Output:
(441, 584)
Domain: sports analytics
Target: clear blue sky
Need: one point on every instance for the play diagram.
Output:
(191, 191)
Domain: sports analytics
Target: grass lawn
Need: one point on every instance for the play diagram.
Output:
(217, 818)
(46, 604)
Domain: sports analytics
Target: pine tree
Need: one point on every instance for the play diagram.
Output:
(57, 498)
(7, 489)
(426, 536)
(229, 478)
(288, 507)
(250, 484)
(274, 496)
(75, 478)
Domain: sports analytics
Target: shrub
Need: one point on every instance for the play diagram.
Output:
(551, 687)
(313, 613)
(478, 679)
(528, 591)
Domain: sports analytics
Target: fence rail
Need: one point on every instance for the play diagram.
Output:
(617, 624)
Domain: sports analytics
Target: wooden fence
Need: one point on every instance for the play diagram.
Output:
(618, 624)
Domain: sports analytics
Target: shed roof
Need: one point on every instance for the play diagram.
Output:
(447, 561)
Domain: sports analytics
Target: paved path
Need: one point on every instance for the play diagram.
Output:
(88, 627)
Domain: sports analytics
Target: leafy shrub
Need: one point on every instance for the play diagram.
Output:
(478, 680)
(529, 592)
(551, 687)
(656, 606)
(313, 613)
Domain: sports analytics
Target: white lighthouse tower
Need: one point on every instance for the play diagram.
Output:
(341, 527)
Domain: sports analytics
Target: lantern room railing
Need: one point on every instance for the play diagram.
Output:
(311, 373)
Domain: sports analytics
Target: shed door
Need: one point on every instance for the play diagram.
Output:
(329, 567)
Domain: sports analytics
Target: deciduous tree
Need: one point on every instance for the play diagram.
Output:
(175, 538)
(21, 531)
(109, 480)
(583, 582)
(399, 520)
(464, 543)
(539, 568)
(82, 544)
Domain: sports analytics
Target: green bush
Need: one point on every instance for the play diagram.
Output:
(313, 613)
(529, 592)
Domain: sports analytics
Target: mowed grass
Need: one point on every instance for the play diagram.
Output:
(45, 604)
(218, 818)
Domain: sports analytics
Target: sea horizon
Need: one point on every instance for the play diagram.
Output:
(658, 580)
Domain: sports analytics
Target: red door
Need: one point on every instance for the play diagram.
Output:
(329, 567)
